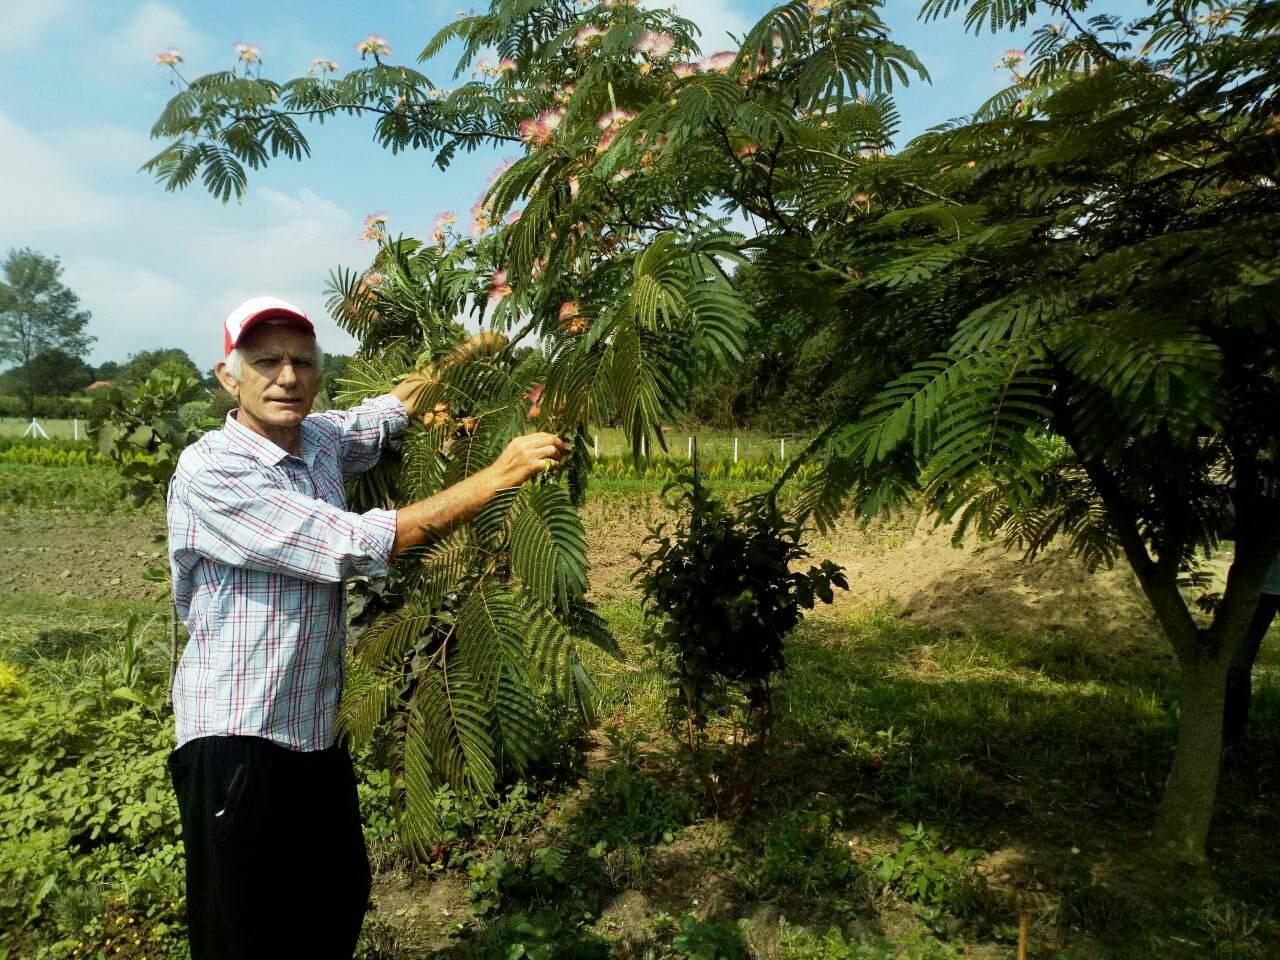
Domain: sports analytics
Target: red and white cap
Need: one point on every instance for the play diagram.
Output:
(252, 312)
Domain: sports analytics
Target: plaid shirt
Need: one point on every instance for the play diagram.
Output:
(260, 542)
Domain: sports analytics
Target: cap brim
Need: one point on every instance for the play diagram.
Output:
(273, 313)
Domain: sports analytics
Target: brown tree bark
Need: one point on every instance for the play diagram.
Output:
(1186, 809)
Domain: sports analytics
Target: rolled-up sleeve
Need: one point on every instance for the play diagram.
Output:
(363, 430)
(238, 517)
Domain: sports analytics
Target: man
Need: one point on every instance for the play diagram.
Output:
(260, 541)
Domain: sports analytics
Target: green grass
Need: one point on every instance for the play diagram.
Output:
(1047, 746)
(56, 429)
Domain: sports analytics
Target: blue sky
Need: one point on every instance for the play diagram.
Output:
(81, 90)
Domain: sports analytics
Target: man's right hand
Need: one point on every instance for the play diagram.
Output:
(528, 455)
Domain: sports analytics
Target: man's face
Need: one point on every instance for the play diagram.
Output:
(280, 376)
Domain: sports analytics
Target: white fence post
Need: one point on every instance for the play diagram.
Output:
(595, 446)
(34, 429)
(782, 449)
(75, 426)
(644, 447)
(735, 449)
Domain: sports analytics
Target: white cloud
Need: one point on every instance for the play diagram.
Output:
(41, 190)
(115, 151)
(24, 22)
(158, 269)
(128, 303)
(130, 49)
(717, 20)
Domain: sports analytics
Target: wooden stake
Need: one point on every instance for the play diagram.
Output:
(1024, 934)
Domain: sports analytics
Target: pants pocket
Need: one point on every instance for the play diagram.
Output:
(232, 819)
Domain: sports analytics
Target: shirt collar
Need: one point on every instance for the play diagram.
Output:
(265, 450)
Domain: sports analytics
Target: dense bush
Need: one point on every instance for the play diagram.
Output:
(721, 597)
(89, 843)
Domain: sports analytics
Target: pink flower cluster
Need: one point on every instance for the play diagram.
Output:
(499, 289)
(441, 227)
(587, 35)
(534, 396)
(168, 58)
(321, 65)
(499, 170)
(488, 68)
(540, 131)
(655, 43)
(248, 53)
(481, 218)
(571, 318)
(374, 46)
(1011, 59)
(611, 123)
(375, 227)
(718, 62)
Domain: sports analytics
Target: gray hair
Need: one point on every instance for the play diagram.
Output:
(235, 361)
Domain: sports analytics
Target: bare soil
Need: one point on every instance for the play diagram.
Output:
(912, 565)
(100, 557)
(908, 564)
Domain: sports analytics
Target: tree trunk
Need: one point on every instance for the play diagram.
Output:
(1182, 826)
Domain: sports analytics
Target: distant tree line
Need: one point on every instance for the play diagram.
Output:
(44, 340)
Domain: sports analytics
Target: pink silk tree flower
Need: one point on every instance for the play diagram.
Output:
(373, 45)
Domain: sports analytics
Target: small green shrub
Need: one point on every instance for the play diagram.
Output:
(928, 873)
(721, 597)
(709, 940)
(625, 805)
(801, 854)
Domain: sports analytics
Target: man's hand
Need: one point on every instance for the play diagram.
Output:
(407, 390)
(437, 515)
(526, 456)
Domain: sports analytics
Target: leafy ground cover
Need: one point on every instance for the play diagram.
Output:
(928, 784)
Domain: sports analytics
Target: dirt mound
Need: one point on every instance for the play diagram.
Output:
(983, 586)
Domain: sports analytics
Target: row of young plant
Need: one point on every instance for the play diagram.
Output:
(53, 454)
(662, 469)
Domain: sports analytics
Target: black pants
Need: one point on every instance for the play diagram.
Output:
(1240, 673)
(276, 862)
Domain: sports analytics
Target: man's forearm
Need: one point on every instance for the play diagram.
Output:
(436, 516)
